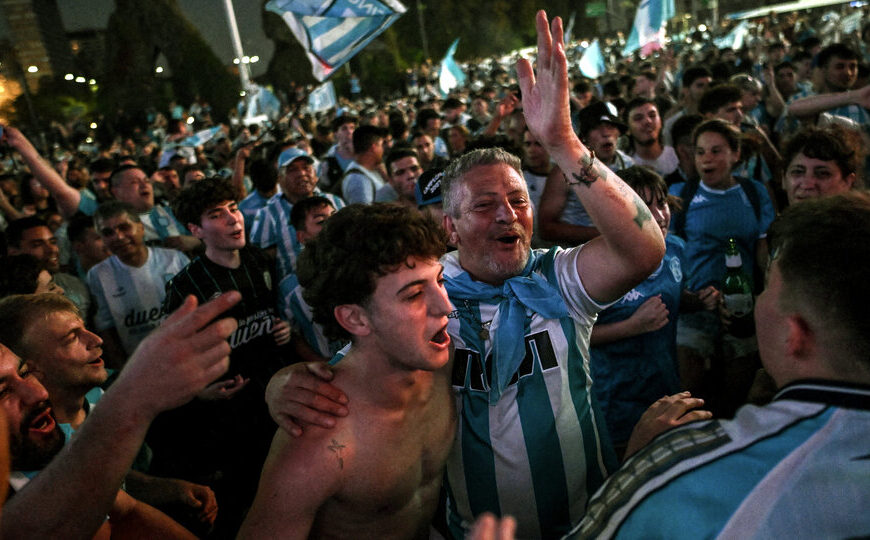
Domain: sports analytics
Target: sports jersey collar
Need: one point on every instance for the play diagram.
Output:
(841, 394)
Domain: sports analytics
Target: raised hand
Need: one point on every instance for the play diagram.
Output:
(183, 355)
(545, 94)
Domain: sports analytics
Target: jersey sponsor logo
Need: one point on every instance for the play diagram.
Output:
(632, 295)
(467, 363)
(676, 269)
(251, 328)
(145, 316)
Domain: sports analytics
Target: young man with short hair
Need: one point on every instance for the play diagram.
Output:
(129, 286)
(404, 169)
(308, 216)
(66, 357)
(645, 127)
(378, 473)
(222, 438)
(173, 364)
(362, 178)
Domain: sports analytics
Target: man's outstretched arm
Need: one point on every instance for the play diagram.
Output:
(66, 196)
(631, 245)
(72, 495)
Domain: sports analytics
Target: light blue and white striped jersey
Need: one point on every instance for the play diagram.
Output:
(130, 299)
(542, 448)
(296, 310)
(272, 227)
(160, 223)
(797, 468)
(249, 207)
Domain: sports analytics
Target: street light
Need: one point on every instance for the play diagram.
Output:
(32, 69)
(69, 76)
(158, 69)
(80, 79)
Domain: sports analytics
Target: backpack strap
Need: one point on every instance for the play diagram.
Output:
(687, 193)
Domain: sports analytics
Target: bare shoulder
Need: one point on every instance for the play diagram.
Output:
(300, 476)
(319, 453)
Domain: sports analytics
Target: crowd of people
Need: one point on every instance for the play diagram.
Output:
(404, 319)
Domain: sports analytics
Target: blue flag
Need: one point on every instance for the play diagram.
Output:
(322, 98)
(734, 38)
(333, 31)
(649, 25)
(592, 61)
(261, 105)
(450, 75)
(200, 137)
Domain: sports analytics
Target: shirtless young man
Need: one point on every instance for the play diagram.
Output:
(377, 474)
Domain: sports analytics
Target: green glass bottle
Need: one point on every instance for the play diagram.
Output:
(737, 293)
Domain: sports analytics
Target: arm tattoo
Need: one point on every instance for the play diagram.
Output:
(642, 215)
(589, 174)
(337, 448)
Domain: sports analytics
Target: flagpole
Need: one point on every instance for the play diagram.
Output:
(244, 74)
(422, 30)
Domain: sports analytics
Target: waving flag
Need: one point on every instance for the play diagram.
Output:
(333, 31)
(322, 98)
(261, 105)
(200, 137)
(592, 61)
(734, 38)
(649, 26)
(450, 75)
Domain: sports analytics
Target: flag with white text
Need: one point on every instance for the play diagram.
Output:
(333, 31)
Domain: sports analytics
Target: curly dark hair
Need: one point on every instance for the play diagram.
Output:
(826, 144)
(357, 245)
(198, 197)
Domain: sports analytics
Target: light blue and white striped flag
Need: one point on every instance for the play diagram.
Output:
(260, 103)
(649, 25)
(592, 61)
(333, 31)
(735, 37)
(852, 23)
(200, 137)
(322, 98)
(450, 75)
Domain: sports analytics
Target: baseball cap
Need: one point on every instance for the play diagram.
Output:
(290, 155)
(596, 114)
(428, 188)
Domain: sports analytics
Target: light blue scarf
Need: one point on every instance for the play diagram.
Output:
(529, 290)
